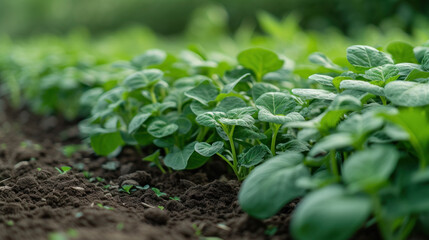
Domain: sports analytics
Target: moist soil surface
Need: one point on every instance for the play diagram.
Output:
(37, 202)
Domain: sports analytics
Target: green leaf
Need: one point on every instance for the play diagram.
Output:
(137, 121)
(149, 58)
(260, 61)
(322, 60)
(260, 88)
(407, 94)
(416, 74)
(208, 150)
(273, 106)
(253, 156)
(160, 129)
(365, 57)
(425, 61)
(154, 157)
(244, 121)
(273, 184)
(385, 73)
(401, 52)
(143, 79)
(371, 167)
(210, 119)
(329, 214)
(204, 93)
(230, 86)
(106, 142)
(309, 94)
(331, 142)
(322, 79)
(362, 86)
(184, 125)
(180, 159)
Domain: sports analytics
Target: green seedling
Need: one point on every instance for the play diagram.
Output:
(175, 198)
(158, 192)
(104, 207)
(127, 188)
(63, 169)
(10, 223)
(161, 207)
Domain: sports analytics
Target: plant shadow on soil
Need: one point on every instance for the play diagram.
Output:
(37, 202)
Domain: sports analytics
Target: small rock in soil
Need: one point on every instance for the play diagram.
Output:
(129, 182)
(141, 177)
(156, 216)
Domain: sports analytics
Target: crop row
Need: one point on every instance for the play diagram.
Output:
(352, 140)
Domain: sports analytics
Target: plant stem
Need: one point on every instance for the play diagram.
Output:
(275, 128)
(229, 163)
(152, 94)
(379, 218)
(333, 163)
(383, 100)
(231, 142)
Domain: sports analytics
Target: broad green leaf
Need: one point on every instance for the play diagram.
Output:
(137, 121)
(178, 158)
(248, 133)
(260, 88)
(229, 104)
(322, 79)
(244, 121)
(203, 93)
(160, 129)
(362, 86)
(407, 94)
(416, 74)
(230, 86)
(149, 58)
(425, 61)
(365, 57)
(322, 60)
(260, 61)
(157, 108)
(143, 79)
(331, 142)
(208, 150)
(184, 125)
(106, 142)
(210, 119)
(239, 112)
(265, 116)
(385, 73)
(401, 52)
(154, 157)
(273, 184)
(273, 106)
(360, 124)
(329, 214)
(371, 167)
(293, 145)
(420, 52)
(253, 156)
(309, 94)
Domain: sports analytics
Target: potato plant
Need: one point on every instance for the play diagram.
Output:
(352, 141)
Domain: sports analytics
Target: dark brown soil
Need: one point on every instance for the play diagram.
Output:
(37, 202)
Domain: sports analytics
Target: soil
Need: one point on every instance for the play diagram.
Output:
(37, 202)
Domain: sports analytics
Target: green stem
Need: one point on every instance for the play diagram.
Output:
(229, 163)
(275, 128)
(152, 94)
(334, 165)
(159, 165)
(383, 100)
(383, 228)
(230, 134)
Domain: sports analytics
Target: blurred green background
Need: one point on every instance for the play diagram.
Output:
(22, 18)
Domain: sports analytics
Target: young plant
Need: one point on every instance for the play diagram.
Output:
(63, 169)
